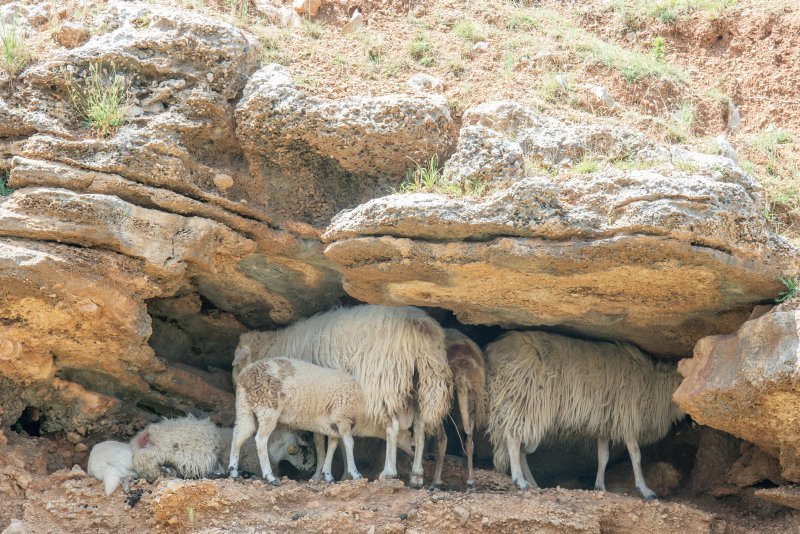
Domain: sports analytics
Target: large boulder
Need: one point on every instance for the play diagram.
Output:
(661, 256)
(317, 156)
(748, 384)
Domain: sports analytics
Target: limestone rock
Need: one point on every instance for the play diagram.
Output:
(788, 496)
(574, 252)
(425, 83)
(336, 151)
(496, 137)
(746, 384)
(72, 34)
(355, 23)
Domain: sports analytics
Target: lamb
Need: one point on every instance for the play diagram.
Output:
(111, 462)
(469, 374)
(545, 386)
(302, 396)
(197, 448)
(395, 353)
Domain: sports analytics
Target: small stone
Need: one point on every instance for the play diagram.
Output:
(403, 516)
(734, 117)
(481, 46)
(223, 182)
(485, 521)
(425, 83)
(599, 97)
(210, 77)
(73, 437)
(16, 527)
(726, 149)
(133, 111)
(371, 530)
(307, 7)
(355, 23)
(81, 447)
(89, 308)
(462, 514)
(154, 107)
(72, 34)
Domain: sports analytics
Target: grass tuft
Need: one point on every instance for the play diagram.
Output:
(5, 190)
(792, 288)
(102, 99)
(15, 54)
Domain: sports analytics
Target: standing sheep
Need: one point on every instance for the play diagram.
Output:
(197, 448)
(469, 374)
(548, 387)
(395, 353)
(112, 463)
(302, 396)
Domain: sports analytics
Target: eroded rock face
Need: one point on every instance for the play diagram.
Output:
(317, 157)
(158, 222)
(659, 257)
(748, 384)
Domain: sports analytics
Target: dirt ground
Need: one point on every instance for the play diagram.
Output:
(68, 500)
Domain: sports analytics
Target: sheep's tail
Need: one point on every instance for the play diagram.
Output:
(434, 377)
(478, 398)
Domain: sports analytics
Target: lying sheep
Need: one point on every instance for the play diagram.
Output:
(302, 396)
(395, 353)
(548, 387)
(469, 374)
(111, 462)
(197, 448)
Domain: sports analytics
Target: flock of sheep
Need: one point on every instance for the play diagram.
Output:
(390, 372)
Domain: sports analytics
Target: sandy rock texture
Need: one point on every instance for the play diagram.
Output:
(336, 153)
(746, 384)
(660, 256)
(132, 262)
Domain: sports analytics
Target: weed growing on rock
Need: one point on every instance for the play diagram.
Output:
(5, 190)
(422, 50)
(792, 288)
(679, 130)
(586, 166)
(101, 99)
(15, 55)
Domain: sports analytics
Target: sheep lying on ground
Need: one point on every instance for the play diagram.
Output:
(397, 355)
(197, 448)
(112, 463)
(469, 374)
(548, 387)
(302, 396)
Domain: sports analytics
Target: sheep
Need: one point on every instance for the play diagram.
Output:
(397, 355)
(197, 448)
(111, 462)
(469, 374)
(302, 396)
(546, 386)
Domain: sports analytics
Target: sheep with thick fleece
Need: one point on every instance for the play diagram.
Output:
(467, 362)
(546, 386)
(301, 396)
(111, 462)
(197, 448)
(395, 353)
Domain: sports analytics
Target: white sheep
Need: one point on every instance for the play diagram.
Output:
(301, 396)
(469, 374)
(111, 462)
(545, 386)
(197, 448)
(397, 355)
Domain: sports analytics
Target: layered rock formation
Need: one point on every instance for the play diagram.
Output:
(748, 384)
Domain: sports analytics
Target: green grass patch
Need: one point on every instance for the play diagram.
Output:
(5, 190)
(469, 31)
(15, 53)
(422, 50)
(669, 11)
(101, 99)
(587, 166)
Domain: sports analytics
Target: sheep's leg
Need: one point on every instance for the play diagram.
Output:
(415, 480)
(267, 421)
(244, 428)
(636, 460)
(514, 448)
(523, 460)
(319, 446)
(350, 461)
(343, 450)
(441, 449)
(326, 470)
(468, 422)
(390, 465)
(602, 462)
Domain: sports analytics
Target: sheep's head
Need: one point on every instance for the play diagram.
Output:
(252, 347)
(290, 446)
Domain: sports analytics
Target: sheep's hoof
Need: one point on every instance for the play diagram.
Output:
(233, 473)
(316, 478)
(357, 476)
(470, 485)
(649, 496)
(274, 481)
(415, 481)
(522, 484)
(328, 478)
(599, 488)
(387, 476)
(435, 486)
